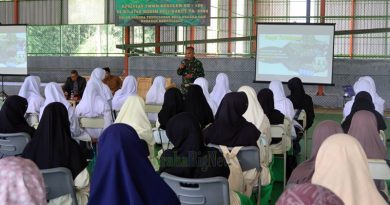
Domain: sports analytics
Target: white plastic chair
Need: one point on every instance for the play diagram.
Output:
(207, 191)
(379, 169)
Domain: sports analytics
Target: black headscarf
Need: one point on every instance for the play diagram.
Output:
(52, 145)
(301, 100)
(173, 104)
(12, 116)
(266, 99)
(190, 158)
(363, 101)
(230, 127)
(195, 102)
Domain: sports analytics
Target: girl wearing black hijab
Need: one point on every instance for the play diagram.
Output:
(230, 127)
(363, 101)
(266, 99)
(195, 102)
(12, 116)
(52, 145)
(190, 158)
(172, 105)
(301, 100)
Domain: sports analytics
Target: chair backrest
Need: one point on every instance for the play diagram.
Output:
(302, 116)
(153, 108)
(59, 182)
(208, 191)
(91, 122)
(13, 144)
(143, 86)
(379, 169)
(249, 157)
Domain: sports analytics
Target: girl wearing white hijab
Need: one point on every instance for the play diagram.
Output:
(362, 85)
(30, 91)
(53, 93)
(378, 101)
(133, 114)
(342, 167)
(97, 77)
(129, 88)
(221, 88)
(202, 82)
(94, 105)
(155, 95)
(283, 104)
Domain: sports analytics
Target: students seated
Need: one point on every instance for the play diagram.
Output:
(129, 88)
(173, 104)
(74, 84)
(202, 82)
(123, 173)
(304, 172)
(30, 91)
(53, 93)
(155, 95)
(301, 100)
(342, 167)
(220, 89)
(230, 127)
(185, 134)
(195, 102)
(12, 116)
(305, 194)
(133, 114)
(363, 84)
(255, 113)
(93, 104)
(21, 182)
(52, 146)
(282, 103)
(363, 101)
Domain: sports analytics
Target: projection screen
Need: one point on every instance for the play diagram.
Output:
(295, 50)
(13, 50)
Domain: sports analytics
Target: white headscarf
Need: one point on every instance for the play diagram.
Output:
(97, 77)
(281, 103)
(202, 82)
(255, 113)
(133, 114)
(156, 92)
(30, 91)
(221, 88)
(129, 88)
(377, 100)
(361, 85)
(342, 167)
(53, 93)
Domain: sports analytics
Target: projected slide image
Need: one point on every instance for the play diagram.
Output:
(13, 53)
(293, 54)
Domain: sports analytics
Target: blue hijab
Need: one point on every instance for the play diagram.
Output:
(123, 173)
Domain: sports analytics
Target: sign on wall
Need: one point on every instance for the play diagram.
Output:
(162, 12)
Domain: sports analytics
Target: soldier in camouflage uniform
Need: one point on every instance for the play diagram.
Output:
(190, 69)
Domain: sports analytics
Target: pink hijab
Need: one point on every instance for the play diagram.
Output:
(304, 172)
(303, 194)
(365, 129)
(21, 182)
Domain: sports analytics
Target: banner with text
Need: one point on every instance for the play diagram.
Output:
(162, 12)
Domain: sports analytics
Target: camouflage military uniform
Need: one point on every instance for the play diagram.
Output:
(192, 67)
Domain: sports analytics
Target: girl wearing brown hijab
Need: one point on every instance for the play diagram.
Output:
(304, 172)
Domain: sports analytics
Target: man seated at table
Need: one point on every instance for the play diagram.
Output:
(75, 85)
(113, 82)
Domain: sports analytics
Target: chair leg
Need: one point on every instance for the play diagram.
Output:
(285, 169)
